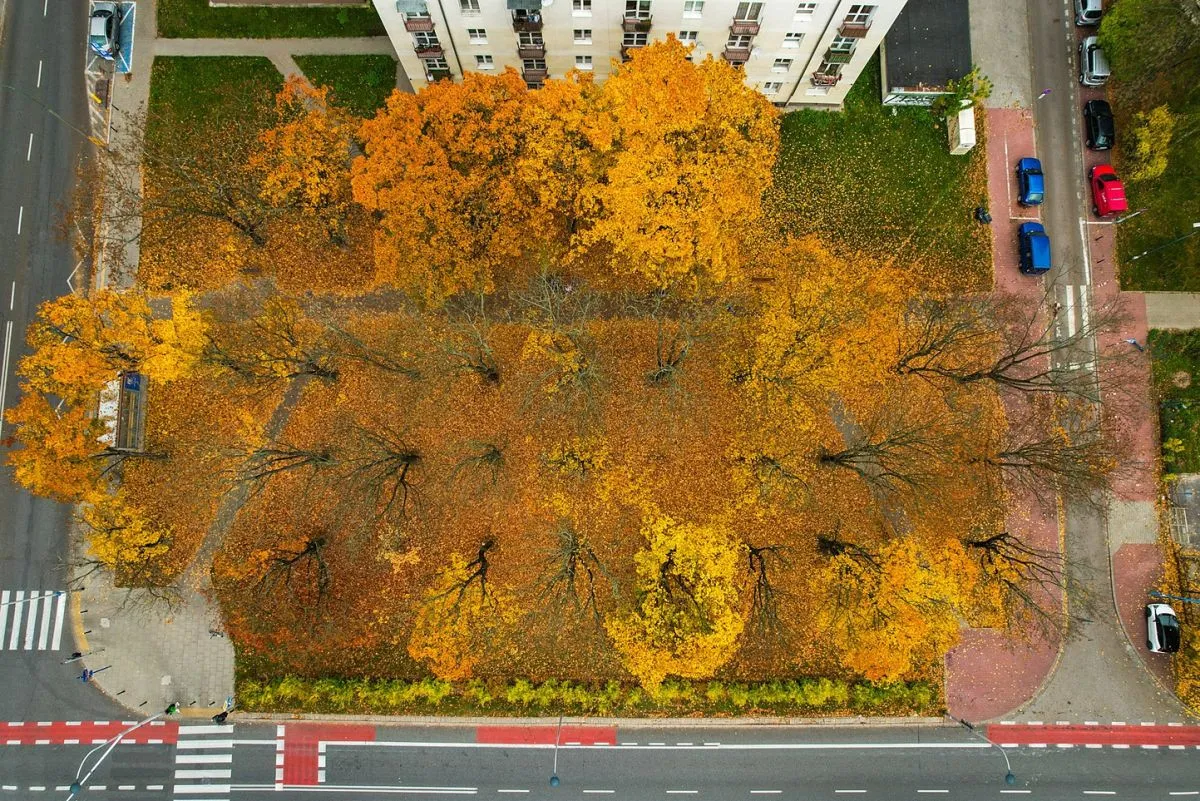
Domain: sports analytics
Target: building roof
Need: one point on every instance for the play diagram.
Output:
(928, 45)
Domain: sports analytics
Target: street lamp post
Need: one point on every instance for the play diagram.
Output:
(108, 745)
(1009, 777)
(557, 734)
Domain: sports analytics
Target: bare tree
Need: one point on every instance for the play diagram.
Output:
(471, 351)
(891, 451)
(381, 467)
(276, 457)
(476, 575)
(775, 476)
(277, 343)
(344, 345)
(484, 456)
(764, 597)
(1021, 571)
(572, 573)
(306, 566)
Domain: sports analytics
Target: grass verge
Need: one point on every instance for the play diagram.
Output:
(194, 19)
(881, 181)
(191, 94)
(360, 84)
(1176, 368)
(820, 696)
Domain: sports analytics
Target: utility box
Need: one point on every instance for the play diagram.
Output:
(961, 128)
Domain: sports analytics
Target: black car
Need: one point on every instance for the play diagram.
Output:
(1098, 123)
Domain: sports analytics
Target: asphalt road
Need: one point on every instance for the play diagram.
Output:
(721, 764)
(41, 70)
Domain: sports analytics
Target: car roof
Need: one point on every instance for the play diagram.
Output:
(1039, 249)
(1032, 228)
(1099, 107)
(1029, 163)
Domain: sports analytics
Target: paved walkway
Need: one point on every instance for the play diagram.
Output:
(1172, 309)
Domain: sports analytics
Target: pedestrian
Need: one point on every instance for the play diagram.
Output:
(1055, 309)
(172, 709)
(219, 718)
(86, 675)
(1043, 94)
(1136, 344)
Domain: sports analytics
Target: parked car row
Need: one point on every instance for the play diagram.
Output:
(1108, 193)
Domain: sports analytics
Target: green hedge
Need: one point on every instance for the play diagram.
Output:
(819, 696)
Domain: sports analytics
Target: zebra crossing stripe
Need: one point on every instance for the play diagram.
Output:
(42, 613)
(31, 629)
(3, 615)
(16, 631)
(59, 613)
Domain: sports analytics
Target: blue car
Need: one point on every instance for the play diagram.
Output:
(1034, 248)
(1031, 184)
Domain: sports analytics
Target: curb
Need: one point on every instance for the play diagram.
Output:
(627, 723)
(77, 623)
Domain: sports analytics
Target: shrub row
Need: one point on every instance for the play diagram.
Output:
(520, 697)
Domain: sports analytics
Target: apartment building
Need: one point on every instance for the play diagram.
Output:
(795, 53)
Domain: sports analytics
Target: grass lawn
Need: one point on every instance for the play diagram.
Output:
(1157, 64)
(361, 84)
(882, 182)
(186, 19)
(187, 94)
(1176, 367)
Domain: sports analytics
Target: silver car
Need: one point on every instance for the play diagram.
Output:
(104, 30)
(1093, 66)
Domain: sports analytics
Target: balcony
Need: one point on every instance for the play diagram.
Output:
(535, 74)
(825, 79)
(738, 54)
(430, 51)
(636, 24)
(434, 75)
(744, 27)
(531, 50)
(418, 24)
(838, 56)
(527, 23)
(854, 30)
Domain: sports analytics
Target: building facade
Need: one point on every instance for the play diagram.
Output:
(795, 53)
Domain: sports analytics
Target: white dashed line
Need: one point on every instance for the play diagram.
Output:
(20, 219)
(29, 150)
(512, 791)
(600, 792)
(39, 80)
(682, 792)
(1099, 792)
(765, 792)
(933, 791)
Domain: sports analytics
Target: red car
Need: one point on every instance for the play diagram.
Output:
(1108, 193)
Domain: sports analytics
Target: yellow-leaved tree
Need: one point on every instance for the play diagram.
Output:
(121, 537)
(690, 610)
(58, 453)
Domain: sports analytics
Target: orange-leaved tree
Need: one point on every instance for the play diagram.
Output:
(440, 174)
(58, 457)
(690, 612)
(692, 152)
(121, 537)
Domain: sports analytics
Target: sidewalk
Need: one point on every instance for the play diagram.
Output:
(1172, 309)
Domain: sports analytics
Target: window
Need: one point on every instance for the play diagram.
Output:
(581, 8)
(469, 7)
(477, 35)
(781, 65)
(583, 36)
(859, 14)
(805, 11)
(484, 62)
(634, 39)
(637, 9)
(842, 44)
(693, 8)
(738, 41)
(748, 12)
(792, 39)
(772, 87)
(439, 63)
(583, 62)
(425, 39)
(530, 39)
(416, 15)
(689, 37)
(533, 63)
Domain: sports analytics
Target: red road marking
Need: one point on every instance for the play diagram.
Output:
(300, 747)
(546, 735)
(1095, 735)
(86, 732)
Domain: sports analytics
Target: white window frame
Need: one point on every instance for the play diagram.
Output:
(688, 37)
(581, 8)
(635, 39)
(530, 39)
(860, 14)
(739, 41)
(477, 36)
(693, 9)
(637, 9)
(484, 61)
(753, 11)
(782, 65)
(793, 39)
(582, 36)
(469, 8)
(533, 63)
(805, 11)
(425, 39)
(583, 63)
(771, 87)
(843, 44)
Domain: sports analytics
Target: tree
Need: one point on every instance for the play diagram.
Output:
(380, 468)
(1017, 575)
(691, 151)
(1147, 144)
(896, 448)
(461, 613)
(300, 569)
(440, 176)
(121, 537)
(572, 573)
(57, 457)
(764, 561)
(971, 89)
(278, 342)
(688, 614)
(305, 157)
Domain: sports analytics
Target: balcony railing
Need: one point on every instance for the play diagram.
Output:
(429, 51)
(535, 75)
(744, 27)
(741, 54)
(838, 56)
(418, 24)
(439, 74)
(854, 30)
(527, 23)
(825, 79)
(531, 51)
(636, 24)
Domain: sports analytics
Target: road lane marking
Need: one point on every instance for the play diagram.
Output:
(20, 219)
(511, 791)
(29, 150)
(59, 613)
(914, 746)
(849, 791)
(207, 789)
(203, 759)
(44, 634)
(12, 296)
(682, 792)
(3, 595)
(933, 791)
(31, 629)
(17, 605)
(766, 792)
(1099, 792)
(203, 773)
(39, 81)
(600, 792)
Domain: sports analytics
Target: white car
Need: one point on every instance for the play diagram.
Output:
(1162, 629)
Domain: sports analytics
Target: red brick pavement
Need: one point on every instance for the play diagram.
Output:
(1138, 567)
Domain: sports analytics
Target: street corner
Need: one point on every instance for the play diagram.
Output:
(991, 673)
(1137, 568)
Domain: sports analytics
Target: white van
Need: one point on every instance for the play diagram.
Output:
(1087, 12)
(1093, 66)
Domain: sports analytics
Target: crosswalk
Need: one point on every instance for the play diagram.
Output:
(32, 619)
(203, 763)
